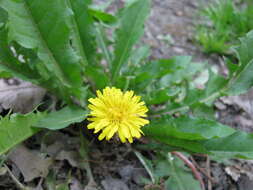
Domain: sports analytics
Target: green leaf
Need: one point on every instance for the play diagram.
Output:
(32, 71)
(102, 16)
(103, 42)
(180, 178)
(5, 74)
(98, 76)
(147, 165)
(182, 69)
(187, 128)
(16, 128)
(62, 187)
(181, 144)
(237, 144)
(204, 111)
(158, 96)
(82, 26)
(215, 83)
(243, 78)
(130, 30)
(139, 55)
(34, 27)
(150, 72)
(3, 16)
(11, 64)
(63, 118)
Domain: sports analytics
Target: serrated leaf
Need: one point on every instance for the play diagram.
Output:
(183, 69)
(130, 30)
(11, 64)
(155, 70)
(33, 26)
(215, 83)
(63, 118)
(187, 128)
(242, 82)
(139, 55)
(82, 26)
(243, 78)
(32, 71)
(16, 128)
(158, 96)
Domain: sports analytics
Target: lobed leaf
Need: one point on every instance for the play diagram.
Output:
(33, 26)
(12, 64)
(243, 78)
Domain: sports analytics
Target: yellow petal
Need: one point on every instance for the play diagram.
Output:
(104, 133)
(121, 136)
(112, 132)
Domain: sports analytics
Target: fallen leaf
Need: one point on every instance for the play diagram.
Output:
(233, 172)
(91, 185)
(126, 172)
(55, 141)
(245, 183)
(73, 157)
(30, 163)
(244, 102)
(21, 97)
(3, 171)
(114, 184)
(75, 185)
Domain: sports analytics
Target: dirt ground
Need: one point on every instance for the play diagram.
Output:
(169, 32)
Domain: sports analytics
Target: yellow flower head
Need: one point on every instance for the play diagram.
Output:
(116, 112)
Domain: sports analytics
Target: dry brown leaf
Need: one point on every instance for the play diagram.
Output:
(21, 96)
(75, 185)
(233, 172)
(72, 157)
(244, 102)
(114, 184)
(3, 171)
(30, 163)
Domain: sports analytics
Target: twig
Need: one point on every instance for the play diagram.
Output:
(209, 185)
(208, 175)
(191, 166)
(18, 183)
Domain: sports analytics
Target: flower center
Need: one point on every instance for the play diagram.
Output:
(117, 115)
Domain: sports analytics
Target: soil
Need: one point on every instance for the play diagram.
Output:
(169, 32)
